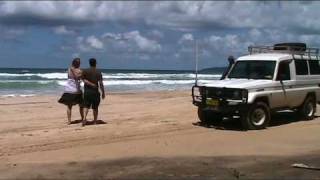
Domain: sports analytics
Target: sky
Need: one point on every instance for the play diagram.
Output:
(148, 34)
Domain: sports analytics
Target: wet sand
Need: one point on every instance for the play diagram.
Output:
(148, 135)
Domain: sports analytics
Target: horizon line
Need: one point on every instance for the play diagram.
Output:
(41, 68)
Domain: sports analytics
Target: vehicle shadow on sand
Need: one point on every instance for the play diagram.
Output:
(277, 119)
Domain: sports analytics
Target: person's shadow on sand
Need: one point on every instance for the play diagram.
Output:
(277, 119)
(89, 122)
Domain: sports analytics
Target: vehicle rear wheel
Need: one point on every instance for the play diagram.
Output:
(257, 117)
(308, 108)
(209, 117)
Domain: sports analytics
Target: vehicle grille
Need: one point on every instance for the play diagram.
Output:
(219, 93)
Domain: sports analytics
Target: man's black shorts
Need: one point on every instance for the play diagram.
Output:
(91, 99)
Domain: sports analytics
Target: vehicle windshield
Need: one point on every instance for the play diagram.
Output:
(253, 70)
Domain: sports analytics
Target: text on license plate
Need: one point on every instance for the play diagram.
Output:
(212, 102)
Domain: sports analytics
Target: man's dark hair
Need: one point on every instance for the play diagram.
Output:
(76, 62)
(231, 62)
(92, 62)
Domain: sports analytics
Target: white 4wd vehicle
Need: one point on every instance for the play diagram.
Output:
(271, 78)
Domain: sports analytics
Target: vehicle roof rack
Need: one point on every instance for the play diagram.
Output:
(297, 50)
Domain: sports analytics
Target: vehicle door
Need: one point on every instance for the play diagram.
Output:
(283, 79)
(298, 91)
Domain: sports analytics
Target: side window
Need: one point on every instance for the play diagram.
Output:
(283, 71)
(314, 67)
(301, 67)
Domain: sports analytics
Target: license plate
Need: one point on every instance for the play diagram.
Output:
(212, 102)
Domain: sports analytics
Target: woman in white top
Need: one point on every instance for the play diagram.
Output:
(72, 93)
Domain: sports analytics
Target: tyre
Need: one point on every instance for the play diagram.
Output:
(257, 117)
(209, 117)
(308, 108)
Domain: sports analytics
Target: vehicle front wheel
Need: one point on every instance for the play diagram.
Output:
(308, 108)
(257, 117)
(209, 117)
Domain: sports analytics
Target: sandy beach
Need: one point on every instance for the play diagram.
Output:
(148, 135)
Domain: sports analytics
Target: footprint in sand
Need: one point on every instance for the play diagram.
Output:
(72, 163)
(165, 121)
(26, 134)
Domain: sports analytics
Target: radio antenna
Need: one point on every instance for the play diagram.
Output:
(196, 58)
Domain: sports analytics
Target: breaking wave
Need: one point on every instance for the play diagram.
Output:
(30, 81)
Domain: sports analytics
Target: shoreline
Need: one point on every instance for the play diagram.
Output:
(13, 95)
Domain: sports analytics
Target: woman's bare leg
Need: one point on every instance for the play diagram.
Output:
(81, 113)
(69, 113)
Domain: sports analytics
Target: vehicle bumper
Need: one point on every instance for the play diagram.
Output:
(225, 106)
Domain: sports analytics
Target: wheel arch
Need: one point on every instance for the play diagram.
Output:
(246, 119)
(303, 109)
(264, 99)
(310, 94)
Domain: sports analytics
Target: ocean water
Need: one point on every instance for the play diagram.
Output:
(29, 82)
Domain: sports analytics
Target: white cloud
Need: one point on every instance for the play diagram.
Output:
(75, 55)
(112, 36)
(311, 39)
(129, 42)
(15, 32)
(157, 34)
(179, 15)
(255, 33)
(214, 45)
(143, 43)
(133, 41)
(51, 12)
(186, 38)
(89, 44)
(94, 42)
(63, 30)
(223, 27)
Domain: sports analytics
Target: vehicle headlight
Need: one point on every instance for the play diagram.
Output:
(237, 94)
(240, 94)
(218, 92)
(197, 93)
